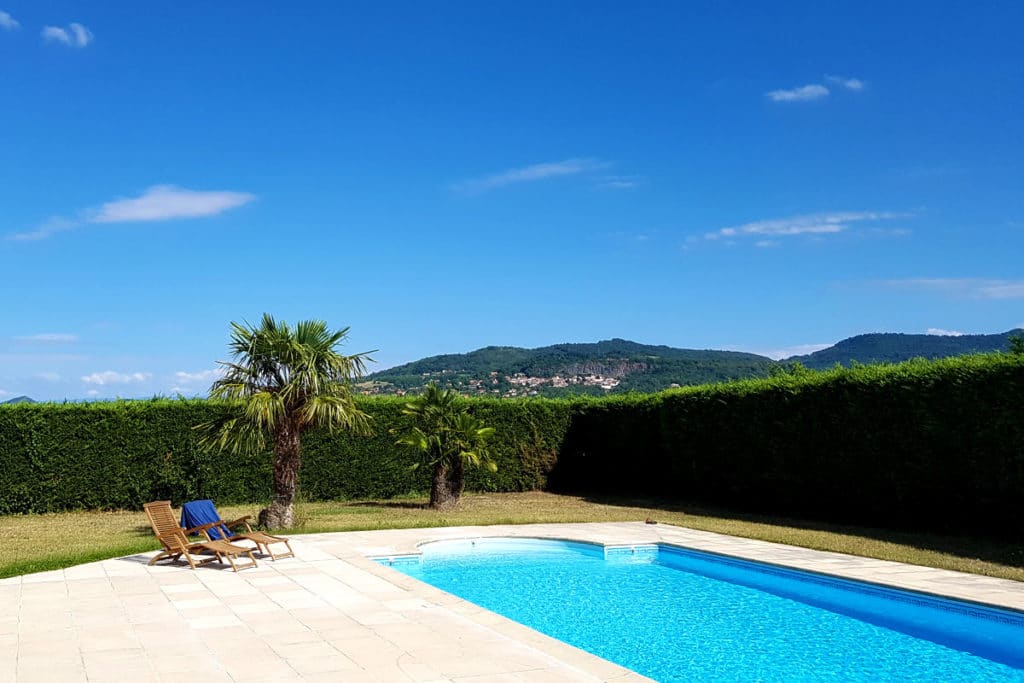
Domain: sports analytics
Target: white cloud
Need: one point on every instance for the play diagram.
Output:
(166, 202)
(963, 288)
(766, 244)
(854, 84)
(1003, 290)
(8, 22)
(889, 232)
(92, 392)
(53, 225)
(201, 376)
(74, 35)
(83, 36)
(808, 224)
(798, 350)
(815, 91)
(4, 392)
(939, 332)
(804, 93)
(530, 174)
(158, 203)
(111, 377)
(50, 337)
(620, 182)
(784, 352)
(48, 376)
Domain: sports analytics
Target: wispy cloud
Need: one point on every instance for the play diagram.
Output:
(201, 376)
(808, 224)
(167, 202)
(784, 352)
(50, 337)
(939, 332)
(619, 182)
(73, 35)
(51, 226)
(926, 172)
(803, 93)
(527, 174)
(815, 91)
(158, 203)
(188, 382)
(7, 22)
(854, 84)
(963, 288)
(111, 377)
(48, 376)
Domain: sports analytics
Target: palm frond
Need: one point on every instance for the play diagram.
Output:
(444, 430)
(232, 435)
(278, 373)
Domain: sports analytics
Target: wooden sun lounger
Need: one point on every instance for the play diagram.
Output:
(204, 515)
(176, 545)
(262, 539)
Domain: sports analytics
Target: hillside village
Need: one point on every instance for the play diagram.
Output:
(498, 384)
(619, 365)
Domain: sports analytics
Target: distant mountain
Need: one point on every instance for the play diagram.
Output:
(615, 365)
(894, 348)
(19, 399)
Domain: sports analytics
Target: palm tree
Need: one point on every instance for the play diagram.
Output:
(448, 439)
(284, 380)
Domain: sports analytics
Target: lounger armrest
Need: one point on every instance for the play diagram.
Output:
(201, 527)
(240, 520)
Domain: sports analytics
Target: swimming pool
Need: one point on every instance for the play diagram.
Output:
(676, 615)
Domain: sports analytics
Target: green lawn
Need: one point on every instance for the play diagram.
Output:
(31, 543)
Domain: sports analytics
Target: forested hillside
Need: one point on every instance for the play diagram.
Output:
(615, 365)
(618, 365)
(895, 348)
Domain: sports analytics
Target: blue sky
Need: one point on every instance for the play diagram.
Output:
(441, 177)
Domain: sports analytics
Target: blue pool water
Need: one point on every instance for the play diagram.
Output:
(681, 615)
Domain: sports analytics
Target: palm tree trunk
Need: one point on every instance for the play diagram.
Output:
(446, 488)
(287, 460)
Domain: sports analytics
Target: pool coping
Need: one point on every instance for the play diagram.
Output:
(333, 611)
(982, 590)
(832, 574)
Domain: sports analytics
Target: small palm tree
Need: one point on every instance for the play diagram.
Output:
(448, 439)
(284, 380)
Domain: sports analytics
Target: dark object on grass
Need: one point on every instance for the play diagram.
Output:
(650, 521)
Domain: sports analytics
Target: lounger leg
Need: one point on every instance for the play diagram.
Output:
(252, 560)
(231, 560)
(265, 548)
(163, 554)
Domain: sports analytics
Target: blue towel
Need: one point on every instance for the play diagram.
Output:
(199, 512)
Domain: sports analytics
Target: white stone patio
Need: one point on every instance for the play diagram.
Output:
(332, 614)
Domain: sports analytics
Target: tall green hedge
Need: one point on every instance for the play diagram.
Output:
(926, 445)
(122, 454)
(929, 445)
